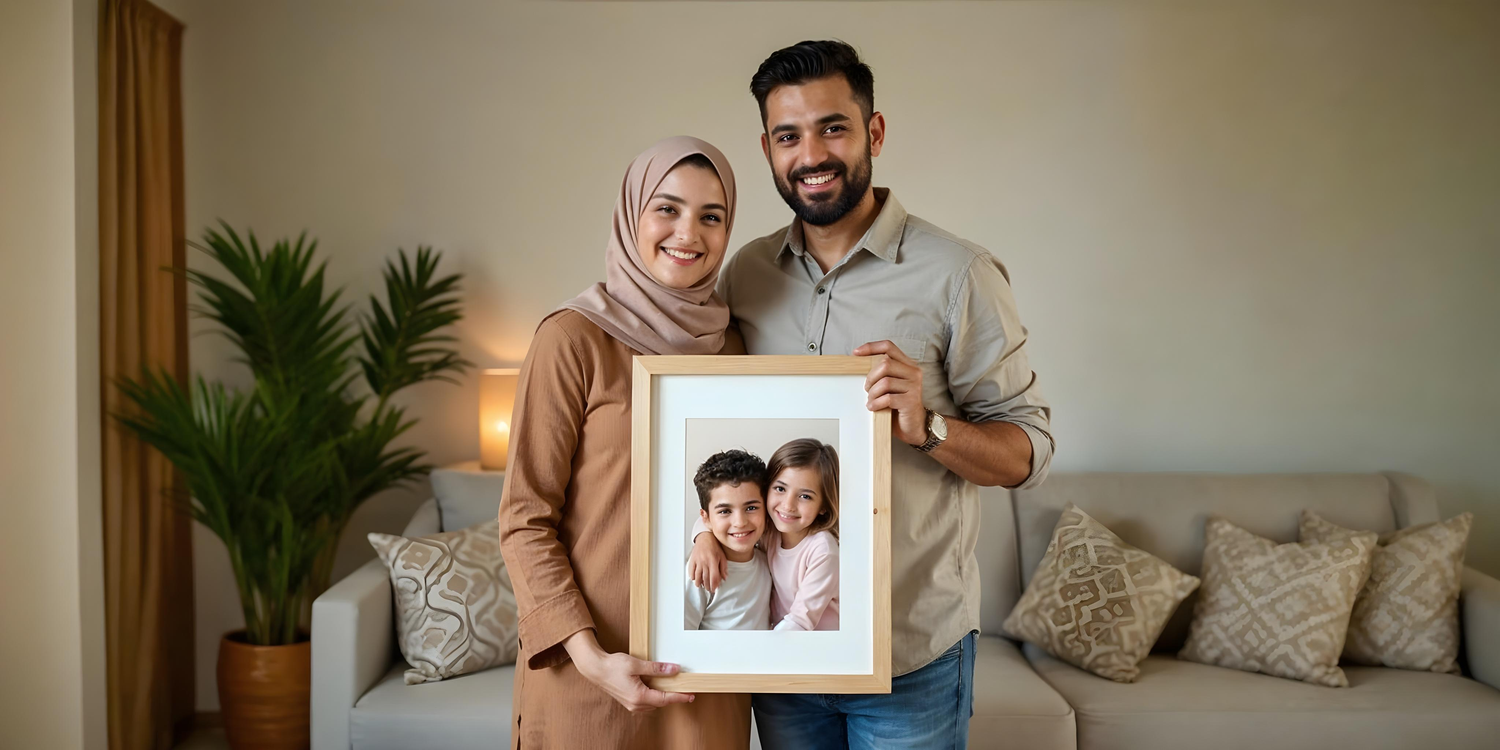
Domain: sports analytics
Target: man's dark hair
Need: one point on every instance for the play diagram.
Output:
(810, 61)
(732, 467)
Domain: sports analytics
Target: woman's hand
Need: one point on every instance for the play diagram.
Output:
(707, 565)
(619, 675)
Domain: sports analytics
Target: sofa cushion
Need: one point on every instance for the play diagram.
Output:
(1279, 609)
(1179, 705)
(1164, 514)
(467, 494)
(1013, 707)
(1097, 602)
(1407, 614)
(455, 605)
(470, 712)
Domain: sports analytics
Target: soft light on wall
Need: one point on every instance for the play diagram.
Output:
(497, 396)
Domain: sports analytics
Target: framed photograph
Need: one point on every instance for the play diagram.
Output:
(807, 605)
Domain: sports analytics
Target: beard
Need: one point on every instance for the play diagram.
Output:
(822, 210)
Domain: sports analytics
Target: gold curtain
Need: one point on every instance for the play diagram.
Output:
(143, 314)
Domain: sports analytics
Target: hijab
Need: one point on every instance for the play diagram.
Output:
(630, 304)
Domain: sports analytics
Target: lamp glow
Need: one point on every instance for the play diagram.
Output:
(497, 397)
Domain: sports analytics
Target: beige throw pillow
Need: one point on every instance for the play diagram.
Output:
(1095, 601)
(1278, 609)
(1407, 614)
(455, 608)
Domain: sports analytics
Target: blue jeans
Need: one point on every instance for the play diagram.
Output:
(927, 709)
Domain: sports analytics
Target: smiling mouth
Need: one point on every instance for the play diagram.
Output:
(818, 180)
(739, 534)
(681, 257)
(787, 518)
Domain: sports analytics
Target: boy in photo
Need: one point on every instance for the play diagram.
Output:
(731, 503)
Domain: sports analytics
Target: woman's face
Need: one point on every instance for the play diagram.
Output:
(682, 233)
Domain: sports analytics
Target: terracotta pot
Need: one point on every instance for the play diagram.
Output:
(264, 694)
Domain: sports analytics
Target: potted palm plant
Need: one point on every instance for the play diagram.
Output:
(277, 469)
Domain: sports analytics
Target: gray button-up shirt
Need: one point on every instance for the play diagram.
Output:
(947, 303)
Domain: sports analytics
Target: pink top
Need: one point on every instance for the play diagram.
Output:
(804, 579)
(804, 582)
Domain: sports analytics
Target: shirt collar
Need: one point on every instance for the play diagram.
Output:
(882, 239)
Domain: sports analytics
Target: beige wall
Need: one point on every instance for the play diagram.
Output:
(1245, 236)
(51, 618)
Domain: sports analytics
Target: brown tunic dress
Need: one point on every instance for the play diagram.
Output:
(565, 535)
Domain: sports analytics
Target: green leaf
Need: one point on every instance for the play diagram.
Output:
(401, 342)
(277, 469)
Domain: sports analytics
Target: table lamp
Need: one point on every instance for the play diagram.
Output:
(497, 397)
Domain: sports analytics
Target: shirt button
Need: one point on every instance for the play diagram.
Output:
(821, 290)
(812, 347)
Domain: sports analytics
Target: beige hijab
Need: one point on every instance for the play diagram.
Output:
(630, 304)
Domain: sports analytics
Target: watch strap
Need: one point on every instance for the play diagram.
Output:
(932, 440)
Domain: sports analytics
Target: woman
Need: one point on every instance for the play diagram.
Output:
(565, 519)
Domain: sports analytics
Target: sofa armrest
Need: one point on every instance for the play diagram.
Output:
(1480, 607)
(353, 643)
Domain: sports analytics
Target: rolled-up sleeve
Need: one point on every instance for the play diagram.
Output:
(550, 401)
(989, 373)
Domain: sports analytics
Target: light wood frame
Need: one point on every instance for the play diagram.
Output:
(648, 367)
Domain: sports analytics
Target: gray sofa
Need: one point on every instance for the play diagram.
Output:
(1022, 697)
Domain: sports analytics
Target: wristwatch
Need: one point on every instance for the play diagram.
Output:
(937, 431)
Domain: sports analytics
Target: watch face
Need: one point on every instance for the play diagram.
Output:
(939, 426)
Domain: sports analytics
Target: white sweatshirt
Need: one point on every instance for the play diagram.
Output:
(743, 601)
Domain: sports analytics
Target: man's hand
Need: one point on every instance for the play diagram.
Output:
(707, 565)
(619, 675)
(895, 383)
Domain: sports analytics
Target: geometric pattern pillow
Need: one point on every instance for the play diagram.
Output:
(1407, 614)
(1278, 609)
(1095, 601)
(455, 608)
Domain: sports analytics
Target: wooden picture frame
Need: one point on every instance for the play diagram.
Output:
(647, 592)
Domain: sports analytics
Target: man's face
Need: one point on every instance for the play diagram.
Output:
(736, 516)
(820, 148)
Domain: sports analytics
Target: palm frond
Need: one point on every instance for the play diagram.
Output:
(402, 346)
(292, 332)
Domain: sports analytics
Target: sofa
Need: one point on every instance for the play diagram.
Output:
(1022, 697)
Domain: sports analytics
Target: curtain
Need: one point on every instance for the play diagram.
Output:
(143, 316)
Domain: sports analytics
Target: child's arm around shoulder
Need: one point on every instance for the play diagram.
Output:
(707, 565)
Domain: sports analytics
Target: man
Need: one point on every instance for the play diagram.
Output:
(854, 273)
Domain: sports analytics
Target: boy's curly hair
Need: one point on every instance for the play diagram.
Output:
(731, 467)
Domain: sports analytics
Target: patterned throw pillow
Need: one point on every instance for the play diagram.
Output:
(1095, 601)
(455, 608)
(1407, 614)
(1278, 609)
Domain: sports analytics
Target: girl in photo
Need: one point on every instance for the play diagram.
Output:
(802, 547)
